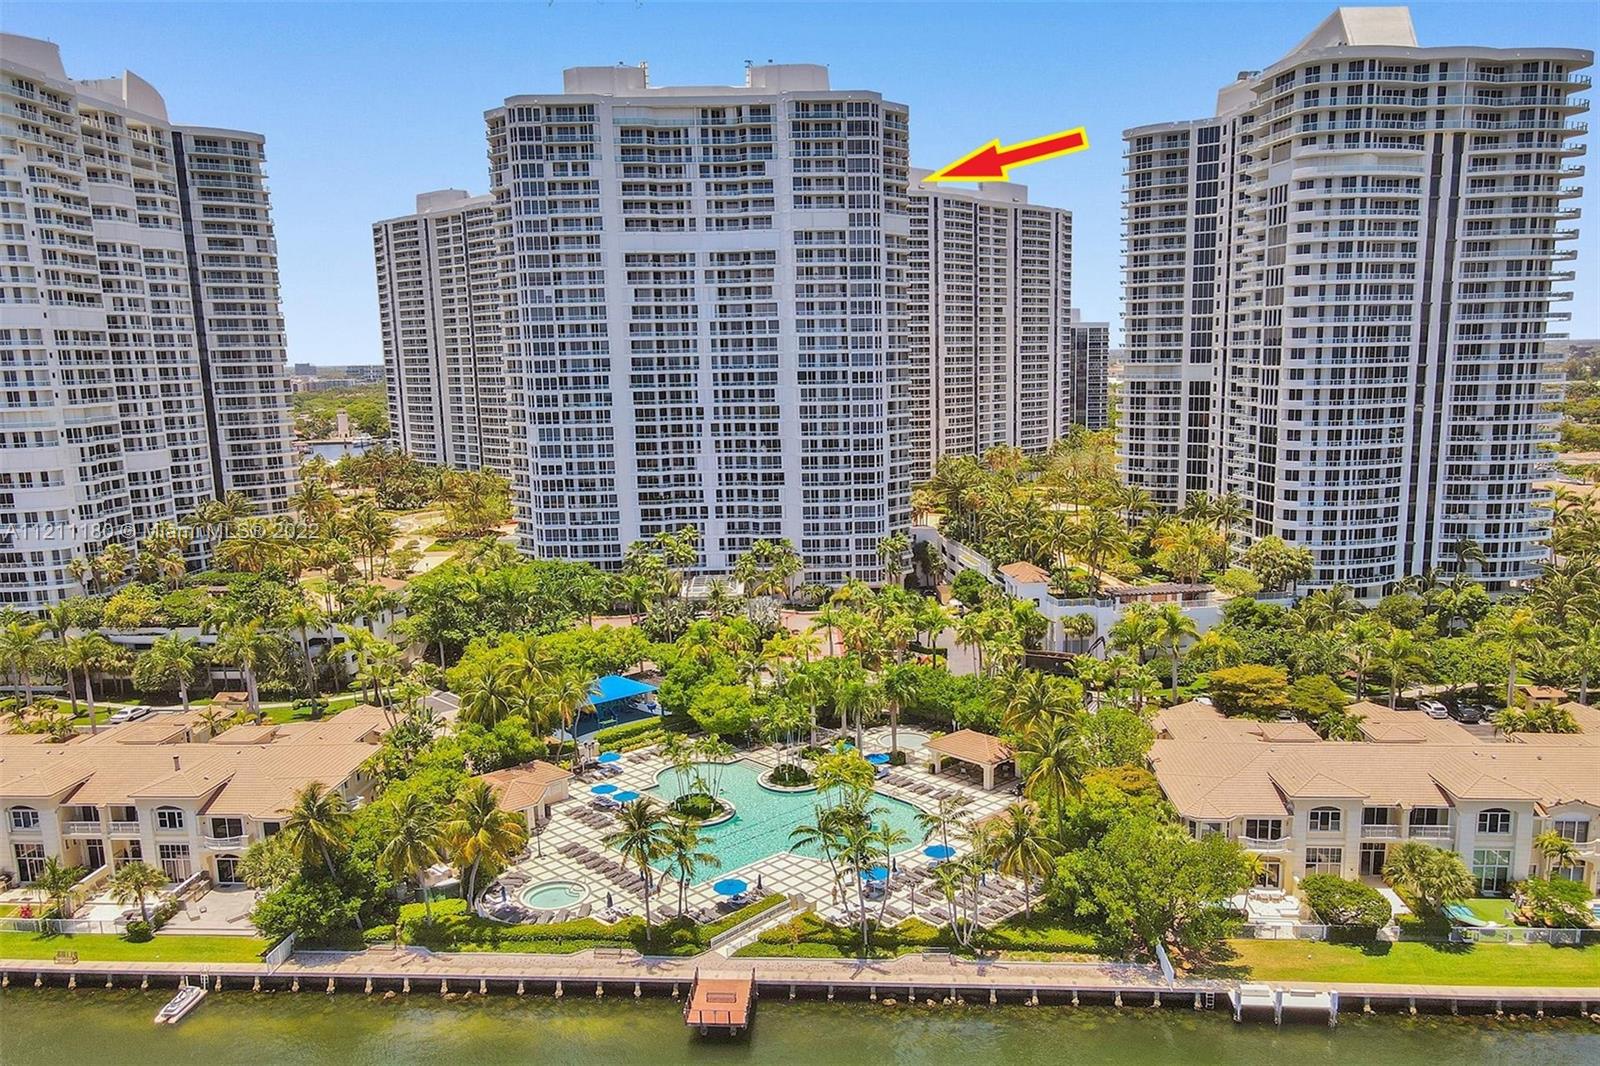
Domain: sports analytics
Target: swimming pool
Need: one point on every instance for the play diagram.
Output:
(553, 895)
(764, 819)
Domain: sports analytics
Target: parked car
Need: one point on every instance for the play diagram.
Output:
(1469, 713)
(130, 714)
(1433, 709)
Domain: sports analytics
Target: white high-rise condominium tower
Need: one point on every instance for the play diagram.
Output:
(439, 309)
(705, 315)
(141, 341)
(1337, 294)
(989, 300)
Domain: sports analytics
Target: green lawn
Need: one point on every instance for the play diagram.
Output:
(286, 712)
(105, 947)
(1410, 962)
(1493, 910)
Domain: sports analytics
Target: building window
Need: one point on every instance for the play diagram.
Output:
(1494, 820)
(30, 860)
(24, 818)
(1567, 873)
(228, 870)
(1492, 868)
(1326, 820)
(175, 861)
(227, 827)
(169, 818)
(1324, 861)
(1575, 830)
(1263, 828)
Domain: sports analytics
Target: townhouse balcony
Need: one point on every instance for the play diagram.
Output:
(82, 829)
(124, 829)
(1265, 843)
(224, 843)
(1380, 832)
(1431, 832)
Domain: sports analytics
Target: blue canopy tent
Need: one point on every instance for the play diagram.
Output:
(615, 700)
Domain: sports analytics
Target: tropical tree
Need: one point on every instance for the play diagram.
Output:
(88, 654)
(477, 832)
(413, 834)
(1521, 632)
(1020, 845)
(643, 836)
(314, 829)
(686, 855)
(172, 659)
(301, 618)
(1432, 876)
(247, 646)
(23, 650)
(56, 881)
(133, 882)
(1172, 628)
(1053, 759)
(1556, 850)
(1401, 657)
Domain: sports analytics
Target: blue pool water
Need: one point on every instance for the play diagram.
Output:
(761, 826)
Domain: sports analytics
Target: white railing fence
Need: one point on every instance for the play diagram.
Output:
(280, 953)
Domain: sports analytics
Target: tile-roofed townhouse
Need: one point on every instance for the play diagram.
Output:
(1306, 805)
(150, 792)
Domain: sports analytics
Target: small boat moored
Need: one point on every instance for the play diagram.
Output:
(187, 999)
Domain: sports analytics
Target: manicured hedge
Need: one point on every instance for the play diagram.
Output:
(453, 928)
(1345, 903)
(808, 936)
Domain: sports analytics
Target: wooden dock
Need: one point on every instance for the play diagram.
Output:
(720, 1004)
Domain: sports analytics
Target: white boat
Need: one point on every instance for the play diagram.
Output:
(187, 999)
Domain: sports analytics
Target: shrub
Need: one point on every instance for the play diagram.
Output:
(1340, 902)
(897, 758)
(1250, 690)
(139, 931)
(1552, 903)
(696, 805)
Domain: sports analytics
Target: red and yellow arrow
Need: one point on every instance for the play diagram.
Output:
(994, 163)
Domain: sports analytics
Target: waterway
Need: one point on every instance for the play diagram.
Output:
(54, 1026)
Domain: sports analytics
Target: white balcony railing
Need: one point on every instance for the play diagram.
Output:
(224, 843)
(124, 829)
(1380, 832)
(1431, 832)
(1265, 842)
(78, 829)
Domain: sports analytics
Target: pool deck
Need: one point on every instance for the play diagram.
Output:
(577, 830)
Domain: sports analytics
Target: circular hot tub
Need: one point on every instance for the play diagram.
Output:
(553, 895)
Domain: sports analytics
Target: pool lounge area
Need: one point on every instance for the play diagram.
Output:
(753, 845)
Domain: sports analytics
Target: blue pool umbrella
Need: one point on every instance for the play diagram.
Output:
(626, 797)
(877, 873)
(730, 886)
(603, 789)
(938, 851)
(610, 756)
(878, 759)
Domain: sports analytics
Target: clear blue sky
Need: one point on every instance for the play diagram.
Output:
(364, 105)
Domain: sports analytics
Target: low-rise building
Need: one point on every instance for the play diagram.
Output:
(1309, 806)
(150, 791)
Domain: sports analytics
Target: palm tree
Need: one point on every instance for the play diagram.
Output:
(686, 856)
(1402, 657)
(1521, 632)
(564, 695)
(171, 660)
(1172, 628)
(412, 835)
(642, 837)
(1432, 876)
(478, 831)
(133, 882)
(315, 825)
(1556, 850)
(1053, 759)
(302, 618)
(859, 853)
(1019, 843)
(56, 881)
(23, 648)
(247, 646)
(950, 877)
(943, 817)
(89, 653)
